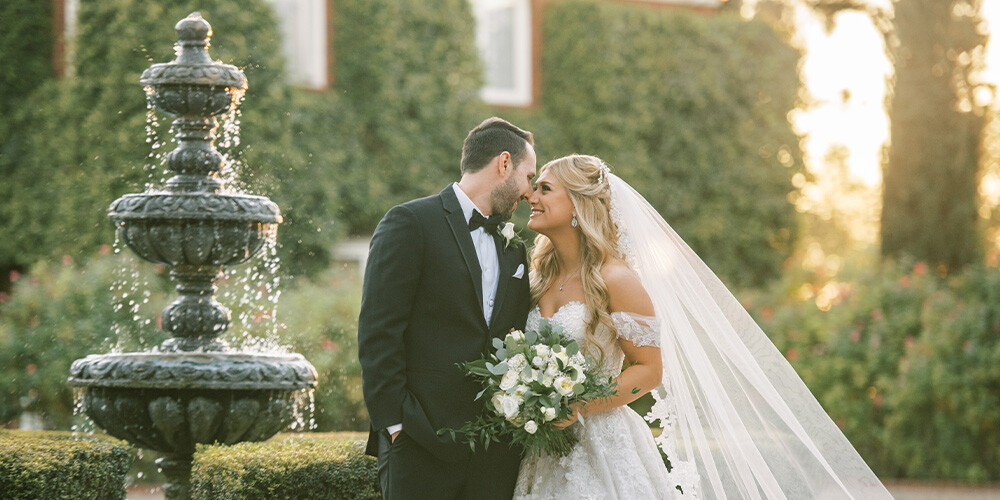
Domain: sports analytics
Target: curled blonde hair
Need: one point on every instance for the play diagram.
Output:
(584, 179)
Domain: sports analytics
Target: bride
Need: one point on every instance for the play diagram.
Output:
(735, 419)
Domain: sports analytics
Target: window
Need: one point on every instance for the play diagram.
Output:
(303, 25)
(503, 36)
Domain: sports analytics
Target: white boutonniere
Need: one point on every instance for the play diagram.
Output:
(508, 234)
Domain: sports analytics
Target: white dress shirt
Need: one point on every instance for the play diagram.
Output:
(486, 251)
(489, 263)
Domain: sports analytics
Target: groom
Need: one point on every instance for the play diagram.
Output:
(442, 281)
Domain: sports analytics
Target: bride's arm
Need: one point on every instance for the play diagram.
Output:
(626, 294)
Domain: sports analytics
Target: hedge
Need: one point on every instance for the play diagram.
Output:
(317, 466)
(906, 361)
(62, 465)
(691, 110)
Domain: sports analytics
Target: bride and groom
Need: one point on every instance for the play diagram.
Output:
(443, 280)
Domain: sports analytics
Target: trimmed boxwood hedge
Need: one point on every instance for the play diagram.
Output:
(61, 465)
(314, 466)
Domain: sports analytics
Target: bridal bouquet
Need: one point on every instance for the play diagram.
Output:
(532, 379)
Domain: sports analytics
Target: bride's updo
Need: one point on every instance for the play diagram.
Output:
(585, 179)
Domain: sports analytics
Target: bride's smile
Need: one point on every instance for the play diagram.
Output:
(551, 207)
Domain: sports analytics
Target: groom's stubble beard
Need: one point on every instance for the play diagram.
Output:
(504, 197)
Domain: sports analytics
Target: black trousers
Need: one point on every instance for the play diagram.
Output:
(407, 471)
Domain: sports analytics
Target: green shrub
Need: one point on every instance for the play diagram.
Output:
(58, 313)
(98, 119)
(905, 361)
(61, 465)
(317, 467)
(669, 100)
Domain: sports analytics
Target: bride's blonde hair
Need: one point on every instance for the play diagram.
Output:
(585, 179)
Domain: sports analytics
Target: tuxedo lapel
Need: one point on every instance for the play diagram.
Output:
(460, 230)
(506, 255)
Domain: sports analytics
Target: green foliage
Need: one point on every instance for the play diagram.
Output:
(930, 179)
(26, 50)
(669, 100)
(319, 319)
(408, 78)
(905, 361)
(62, 466)
(83, 137)
(60, 313)
(314, 466)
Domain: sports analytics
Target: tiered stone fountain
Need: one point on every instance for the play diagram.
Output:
(193, 388)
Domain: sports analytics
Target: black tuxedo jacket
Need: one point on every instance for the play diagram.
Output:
(422, 315)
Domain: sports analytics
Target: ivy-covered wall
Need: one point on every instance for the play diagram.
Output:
(691, 110)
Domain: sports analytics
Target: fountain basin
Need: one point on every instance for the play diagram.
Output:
(171, 402)
(194, 229)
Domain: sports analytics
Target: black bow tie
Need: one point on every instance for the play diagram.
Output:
(491, 224)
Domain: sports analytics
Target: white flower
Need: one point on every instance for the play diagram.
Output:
(543, 351)
(564, 385)
(515, 335)
(578, 375)
(552, 369)
(508, 232)
(519, 392)
(530, 426)
(517, 363)
(528, 375)
(509, 380)
(561, 355)
(547, 380)
(538, 361)
(509, 405)
(576, 359)
(498, 401)
(548, 413)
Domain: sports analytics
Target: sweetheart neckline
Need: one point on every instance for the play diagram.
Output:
(558, 310)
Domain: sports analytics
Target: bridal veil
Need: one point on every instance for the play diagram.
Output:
(738, 421)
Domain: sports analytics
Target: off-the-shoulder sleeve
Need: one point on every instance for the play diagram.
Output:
(637, 329)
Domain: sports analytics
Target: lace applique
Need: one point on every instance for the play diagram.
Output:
(637, 329)
(624, 242)
(683, 474)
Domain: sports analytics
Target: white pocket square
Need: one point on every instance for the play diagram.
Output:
(520, 271)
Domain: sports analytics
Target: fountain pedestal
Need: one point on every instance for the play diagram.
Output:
(194, 388)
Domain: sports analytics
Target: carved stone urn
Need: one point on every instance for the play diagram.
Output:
(193, 388)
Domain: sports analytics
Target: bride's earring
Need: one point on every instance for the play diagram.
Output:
(573, 222)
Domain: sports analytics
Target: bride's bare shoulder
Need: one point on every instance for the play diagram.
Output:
(625, 291)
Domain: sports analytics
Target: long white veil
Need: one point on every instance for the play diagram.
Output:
(738, 422)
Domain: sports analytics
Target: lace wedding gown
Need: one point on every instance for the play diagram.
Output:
(616, 457)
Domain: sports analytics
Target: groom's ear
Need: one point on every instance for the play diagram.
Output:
(503, 164)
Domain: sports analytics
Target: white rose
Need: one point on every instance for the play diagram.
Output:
(543, 350)
(547, 380)
(561, 355)
(578, 375)
(508, 231)
(552, 369)
(510, 406)
(548, 413)
(564, 385)
(520, 391)
(538, 361)
(498, 401)
(526, 376)
(530, 426)
(515, 335)
(509, 379)
(517, 363)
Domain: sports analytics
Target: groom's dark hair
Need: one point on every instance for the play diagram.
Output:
(490, 138)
